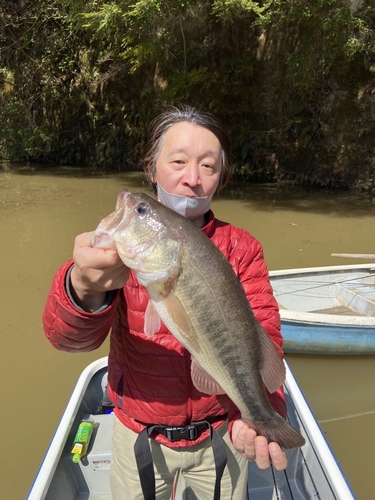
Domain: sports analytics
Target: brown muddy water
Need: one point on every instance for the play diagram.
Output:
(42, 212)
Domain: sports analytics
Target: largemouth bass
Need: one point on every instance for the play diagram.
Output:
(195, 292)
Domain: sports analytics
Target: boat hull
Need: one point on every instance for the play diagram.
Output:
(327, 310)
(306, 338)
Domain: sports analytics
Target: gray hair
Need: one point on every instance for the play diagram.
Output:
(160, 125)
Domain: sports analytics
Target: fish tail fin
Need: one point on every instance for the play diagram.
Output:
(279, 431)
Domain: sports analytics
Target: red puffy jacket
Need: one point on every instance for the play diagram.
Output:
(149, 379)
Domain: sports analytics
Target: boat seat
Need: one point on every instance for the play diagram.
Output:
(359, 298)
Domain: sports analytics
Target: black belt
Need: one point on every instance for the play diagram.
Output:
(190, 432)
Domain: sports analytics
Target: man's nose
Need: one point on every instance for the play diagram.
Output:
(192, 174)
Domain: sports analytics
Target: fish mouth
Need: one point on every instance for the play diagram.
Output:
(103, 235)
(122, 199)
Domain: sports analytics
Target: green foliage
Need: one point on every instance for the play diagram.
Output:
(231, 10)
(328, 34)
(81, 79)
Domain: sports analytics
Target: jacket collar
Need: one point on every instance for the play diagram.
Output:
(209, 228)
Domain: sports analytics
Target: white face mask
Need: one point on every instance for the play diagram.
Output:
(185, 205)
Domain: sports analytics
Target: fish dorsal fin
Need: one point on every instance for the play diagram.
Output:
(272, 367)
(203, 381)
(178, 316)
(152, 320)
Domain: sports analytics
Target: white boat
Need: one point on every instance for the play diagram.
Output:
(313, 471)
(327, 310)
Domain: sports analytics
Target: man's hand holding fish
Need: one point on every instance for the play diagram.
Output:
(96, 271)
(256, 448)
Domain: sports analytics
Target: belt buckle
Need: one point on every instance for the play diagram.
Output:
(193, 432)
(190, 432)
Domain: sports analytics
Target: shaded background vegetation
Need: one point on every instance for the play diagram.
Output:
(294, 81)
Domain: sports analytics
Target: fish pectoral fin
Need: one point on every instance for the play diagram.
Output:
(152, 320)
(178, 315)
(272, 367)
(203, 381)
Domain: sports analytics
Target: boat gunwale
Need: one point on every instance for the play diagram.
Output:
(313, 270)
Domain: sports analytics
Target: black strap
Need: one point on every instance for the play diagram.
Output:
(220, 459)
(145, 463)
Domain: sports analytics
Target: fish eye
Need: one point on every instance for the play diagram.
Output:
(142, 208)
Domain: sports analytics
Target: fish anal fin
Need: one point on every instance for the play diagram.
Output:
(272, 367)
(203, 381)
(152, 320)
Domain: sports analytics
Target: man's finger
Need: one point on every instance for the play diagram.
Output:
(262, 453)
(278, 456)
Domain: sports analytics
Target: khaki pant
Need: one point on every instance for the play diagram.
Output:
(195, 463)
